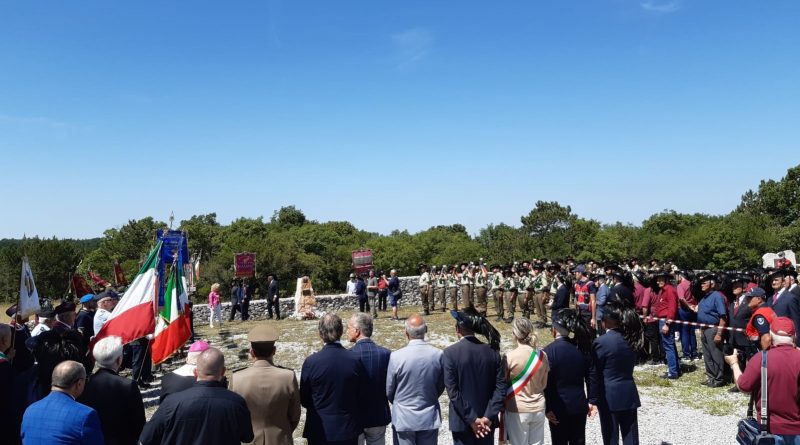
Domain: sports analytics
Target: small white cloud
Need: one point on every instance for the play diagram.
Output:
(411, 46)
(660, 7)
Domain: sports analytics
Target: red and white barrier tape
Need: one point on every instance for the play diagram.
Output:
(690, 323)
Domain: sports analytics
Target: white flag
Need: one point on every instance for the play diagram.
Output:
(28, 296)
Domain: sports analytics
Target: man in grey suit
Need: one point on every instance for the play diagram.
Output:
(414, 382)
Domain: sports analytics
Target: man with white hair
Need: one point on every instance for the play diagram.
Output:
(783, 372)
(414, 382)
(116, 399)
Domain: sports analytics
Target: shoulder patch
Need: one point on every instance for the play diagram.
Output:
(760, 320)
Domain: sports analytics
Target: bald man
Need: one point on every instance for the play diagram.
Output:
(414, 382)
(205, 413)
(59, 416)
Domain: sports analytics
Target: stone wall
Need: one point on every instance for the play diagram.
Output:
(325, 303)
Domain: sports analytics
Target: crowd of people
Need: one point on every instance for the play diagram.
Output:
(604, 319)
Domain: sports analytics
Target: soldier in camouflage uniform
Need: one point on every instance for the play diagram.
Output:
(440, 286)
(466, 286)
(523, 296)
(424, 287)
(509, 294)
(481, 277)
(541, 293)
(452, 288)
(496, 282)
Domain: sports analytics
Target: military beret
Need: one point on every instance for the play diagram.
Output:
(262, 334)
(87, 298)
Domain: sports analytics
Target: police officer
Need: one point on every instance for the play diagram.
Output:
(585, 294)
(424, 287)
(481, 277)
(271, 392)
(757, 329)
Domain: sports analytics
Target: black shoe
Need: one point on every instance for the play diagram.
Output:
(733, 389)
(144, 385)
(716, 384)
(427, 312)
(669, 377)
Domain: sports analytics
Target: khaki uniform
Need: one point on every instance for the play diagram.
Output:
(509, 294)
(466, 290)
(452, 290)
(541, 290)
(273, 398)
(480, 292)
(424, 290)
(496, 281)
(523, 296)
(441, 287)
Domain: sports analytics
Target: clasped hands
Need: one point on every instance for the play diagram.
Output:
(481, 427)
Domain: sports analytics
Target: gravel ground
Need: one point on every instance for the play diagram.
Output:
(662, 420)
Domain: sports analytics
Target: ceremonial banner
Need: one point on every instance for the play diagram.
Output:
(173, 327)
(119, 275)
(98, 281)
(134, 316)
(28, 295)
(80, 286)
(244, 264)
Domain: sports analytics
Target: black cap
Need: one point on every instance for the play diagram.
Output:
(12, 310)
(64, 308)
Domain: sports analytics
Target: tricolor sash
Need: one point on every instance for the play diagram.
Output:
(522, 379)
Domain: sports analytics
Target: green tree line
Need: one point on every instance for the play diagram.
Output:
(289, 245)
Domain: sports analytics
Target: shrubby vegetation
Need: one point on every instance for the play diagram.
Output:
(290, 245)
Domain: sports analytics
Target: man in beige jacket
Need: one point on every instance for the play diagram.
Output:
(271, 392)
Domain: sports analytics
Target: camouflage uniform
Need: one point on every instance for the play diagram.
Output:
(496, 281)
(466, 289)
(480, 292)
(541, 289)
(509, 288)
(440, 286)
(452, 290)
(424, 288)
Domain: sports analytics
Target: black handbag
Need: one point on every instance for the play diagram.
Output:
(750, 431)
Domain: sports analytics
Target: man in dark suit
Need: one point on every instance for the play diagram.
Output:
(740, 315)
(116, 399)
(273, 302)
(332, 389)
(565, 399)
(375, 359)
(786, 295)
(611, 373)
(474, 376)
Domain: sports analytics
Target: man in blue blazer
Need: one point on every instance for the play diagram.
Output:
(332, 389)
(58, 419)
(375, 359)
(566, 406)
(474, 375)
(611, 373)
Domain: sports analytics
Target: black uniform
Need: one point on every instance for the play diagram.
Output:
(203, 414)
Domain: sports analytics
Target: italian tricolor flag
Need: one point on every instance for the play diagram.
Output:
(134, 315)
(173, 327)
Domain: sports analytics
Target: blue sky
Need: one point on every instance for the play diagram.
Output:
(391, 115)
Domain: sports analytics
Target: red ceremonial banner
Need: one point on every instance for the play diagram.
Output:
(99, 281)
(119, 275)
(244, 264)
(80, 286)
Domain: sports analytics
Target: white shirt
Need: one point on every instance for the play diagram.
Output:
(100, 318)
(351, 287)
(38, 329)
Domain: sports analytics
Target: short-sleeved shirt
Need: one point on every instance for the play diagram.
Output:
(372, 282)
(783, 370)
(711, 308)
(480, 280)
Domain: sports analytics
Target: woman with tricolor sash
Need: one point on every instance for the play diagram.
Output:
(526, 372)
